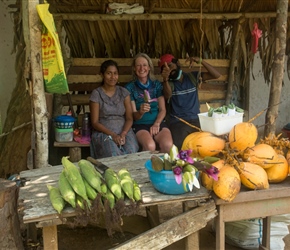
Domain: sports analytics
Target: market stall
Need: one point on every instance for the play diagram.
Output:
(38, 209)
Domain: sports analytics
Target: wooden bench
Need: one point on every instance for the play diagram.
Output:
(83, 77)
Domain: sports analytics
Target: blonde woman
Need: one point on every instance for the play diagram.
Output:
(148, 106)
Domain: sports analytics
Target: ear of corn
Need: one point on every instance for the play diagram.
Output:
(91, 192)
(80, 202)
(126, 183)
(56, 199)
(74, 178)
(113, 183)
(104, 188)
(91, 175)
(67, 192)
(136, 191)
(123, 172)
(111, 198)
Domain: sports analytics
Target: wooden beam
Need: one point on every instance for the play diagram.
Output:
(128, 61)
(160, 16)
(183, 225)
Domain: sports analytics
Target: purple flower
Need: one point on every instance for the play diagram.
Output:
(178, 174)
(185, 155)
(177, 170)
(212, 172)
(147, 97)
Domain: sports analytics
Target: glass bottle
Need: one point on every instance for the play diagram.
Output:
(86, 127)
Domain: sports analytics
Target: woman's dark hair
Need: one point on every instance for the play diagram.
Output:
(107, 64)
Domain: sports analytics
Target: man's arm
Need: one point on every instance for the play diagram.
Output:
(212, 72)
(167, 91)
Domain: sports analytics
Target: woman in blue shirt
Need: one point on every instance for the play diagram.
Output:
(148, 106)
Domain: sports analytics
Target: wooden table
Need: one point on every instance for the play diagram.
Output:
(251, 204)
(38, 208)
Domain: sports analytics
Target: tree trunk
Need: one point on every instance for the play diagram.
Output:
(278, 67)
(40, 114)
(10, 234)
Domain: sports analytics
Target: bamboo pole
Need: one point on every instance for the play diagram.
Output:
(278, 67)
(38, 95)
(160, 17)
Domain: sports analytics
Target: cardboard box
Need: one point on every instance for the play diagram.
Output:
(220, 125)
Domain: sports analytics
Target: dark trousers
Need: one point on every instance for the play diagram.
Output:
(180, 130)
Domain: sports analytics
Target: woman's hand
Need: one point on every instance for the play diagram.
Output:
(154, 130)
(118, 139)
(145, 107)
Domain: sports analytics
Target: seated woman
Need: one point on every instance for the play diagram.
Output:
(148, 105)
(111, 116)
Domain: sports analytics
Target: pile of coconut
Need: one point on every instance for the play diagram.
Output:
(242, 160)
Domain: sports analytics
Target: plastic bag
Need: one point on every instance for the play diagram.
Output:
(52, 62)
(120, 8)
(247, 234)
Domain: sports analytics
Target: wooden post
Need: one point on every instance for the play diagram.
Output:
(39, 109)
(278, 67)
(10, 235)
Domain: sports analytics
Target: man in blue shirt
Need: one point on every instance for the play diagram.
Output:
(180, 89)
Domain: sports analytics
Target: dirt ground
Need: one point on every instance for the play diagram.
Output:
(93, 237)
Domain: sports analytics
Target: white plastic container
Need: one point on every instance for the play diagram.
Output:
(64, 134)
(221, 125)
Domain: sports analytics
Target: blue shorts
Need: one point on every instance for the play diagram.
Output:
(138, 127)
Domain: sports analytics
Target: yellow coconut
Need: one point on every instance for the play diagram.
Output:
(243, 135)
(279, 171)
(206, 180)
(203, 144)
(288, 159)
(261, 154)
(253, 176)
(228, 185)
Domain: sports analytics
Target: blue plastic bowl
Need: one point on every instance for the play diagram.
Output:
(164, 181)
(64, 121)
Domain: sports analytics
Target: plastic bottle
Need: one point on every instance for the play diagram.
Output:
(86, 127)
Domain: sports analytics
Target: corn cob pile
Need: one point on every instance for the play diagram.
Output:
(80, 186)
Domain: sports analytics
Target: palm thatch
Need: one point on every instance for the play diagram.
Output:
(213, 29)
(197, 28)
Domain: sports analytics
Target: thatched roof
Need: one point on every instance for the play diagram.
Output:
(205, 28)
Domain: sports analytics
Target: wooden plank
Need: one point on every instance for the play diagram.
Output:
(122, 78)
(127, 70)
(163, 235)
(128, 62)
(70, 144)
(207, 96)
(257, 208)
(89, 87)
(281, 189)
(50, 238)
(162, 17)
(204, 96)
(95, 78)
